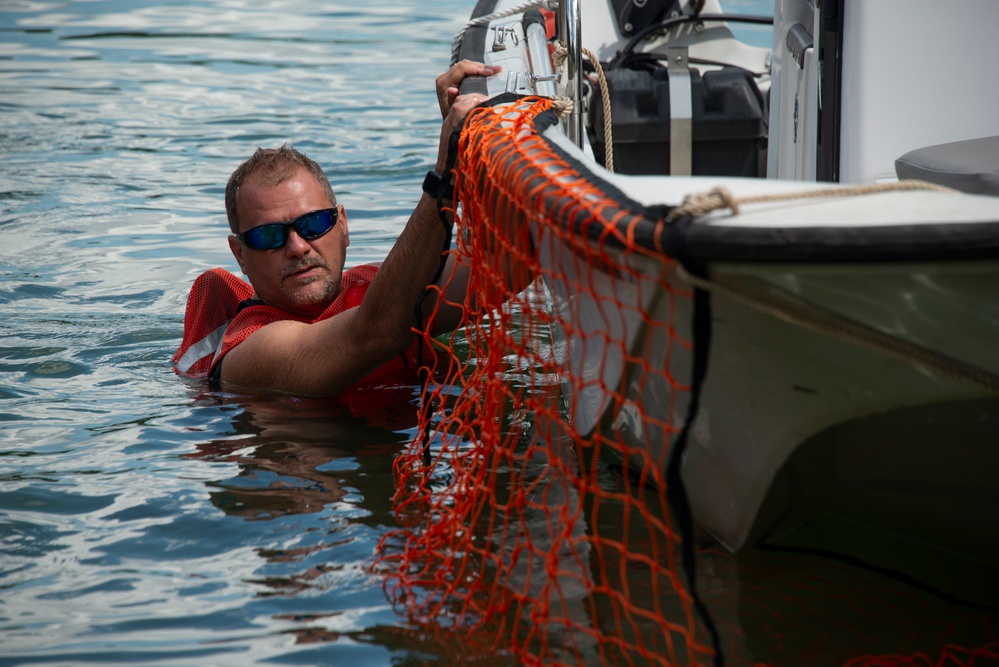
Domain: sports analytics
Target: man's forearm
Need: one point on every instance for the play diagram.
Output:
(388, 312)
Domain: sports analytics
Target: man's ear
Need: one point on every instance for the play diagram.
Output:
(237, 251)
(342, 223)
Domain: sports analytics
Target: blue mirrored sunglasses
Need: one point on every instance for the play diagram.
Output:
(275, 234)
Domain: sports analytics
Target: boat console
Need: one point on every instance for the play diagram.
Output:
(727, 110)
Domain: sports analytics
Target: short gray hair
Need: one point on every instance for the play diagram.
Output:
(274, 166)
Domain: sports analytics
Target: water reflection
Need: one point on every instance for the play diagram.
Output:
(320, 471)
(299, 455)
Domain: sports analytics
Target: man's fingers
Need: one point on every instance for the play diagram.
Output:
(449, 82)
(465, 103)
(465, 68)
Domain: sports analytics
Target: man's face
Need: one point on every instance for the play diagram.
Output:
(302, 277)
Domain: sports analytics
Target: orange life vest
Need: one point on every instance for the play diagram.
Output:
(221, 314)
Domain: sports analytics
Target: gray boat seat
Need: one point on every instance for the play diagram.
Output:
(969, 166)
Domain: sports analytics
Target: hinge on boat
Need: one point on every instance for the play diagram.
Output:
(500, 34)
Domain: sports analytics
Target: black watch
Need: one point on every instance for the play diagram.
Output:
(435, 186)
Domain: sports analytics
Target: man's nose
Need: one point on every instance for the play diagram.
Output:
(296, 245)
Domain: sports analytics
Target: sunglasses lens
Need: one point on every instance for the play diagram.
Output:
(266, 237)
(314, 225)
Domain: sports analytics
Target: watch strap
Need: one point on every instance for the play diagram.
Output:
(438, 188)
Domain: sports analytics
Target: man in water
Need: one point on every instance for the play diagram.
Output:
(303, 325)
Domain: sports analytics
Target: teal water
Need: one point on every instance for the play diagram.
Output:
(144, 520)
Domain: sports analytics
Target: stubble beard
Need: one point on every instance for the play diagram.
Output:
(315, 295)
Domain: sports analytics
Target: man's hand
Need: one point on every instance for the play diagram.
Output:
(449, 83)
(457, 111)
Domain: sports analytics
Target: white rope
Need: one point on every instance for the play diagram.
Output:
(608, 121)
(781, 305)
(814, 318)
(701, 203)
(483, 20)
(562, 106)
(559, 56)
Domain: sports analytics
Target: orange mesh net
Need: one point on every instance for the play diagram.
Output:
(539, 515)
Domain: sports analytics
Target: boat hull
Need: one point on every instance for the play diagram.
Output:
(797, 428)
(800, 431)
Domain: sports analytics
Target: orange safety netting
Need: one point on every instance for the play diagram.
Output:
(536, 509)
(503, 531)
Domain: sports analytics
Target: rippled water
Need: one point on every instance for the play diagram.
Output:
(143, 520)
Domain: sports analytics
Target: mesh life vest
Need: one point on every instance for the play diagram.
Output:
(221, 314)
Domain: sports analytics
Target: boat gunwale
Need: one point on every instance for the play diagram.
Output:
(686, 239)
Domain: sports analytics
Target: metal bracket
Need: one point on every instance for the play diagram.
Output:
(547, 77)
(520, 83)
(680, 112)
(500, 34)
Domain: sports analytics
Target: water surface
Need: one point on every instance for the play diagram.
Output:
(142, 520)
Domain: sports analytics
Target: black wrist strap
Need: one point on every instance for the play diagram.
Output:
(437, 187)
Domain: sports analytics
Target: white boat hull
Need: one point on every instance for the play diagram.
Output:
(797, 424)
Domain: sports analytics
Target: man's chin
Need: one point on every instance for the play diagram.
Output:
(311, 298)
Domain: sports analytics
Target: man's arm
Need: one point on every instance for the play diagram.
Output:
(323, 358)
(449, 313)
